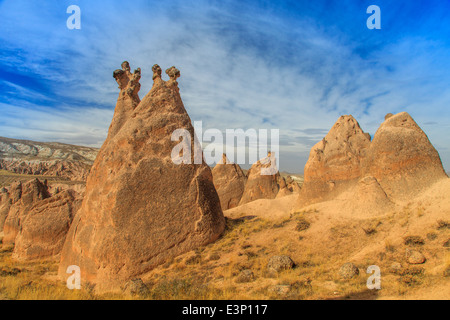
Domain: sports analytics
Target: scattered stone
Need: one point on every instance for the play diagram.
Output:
(348, 271)
(414, 257)
(245, 276)
(395, 267)
(280, 289)
(280, 263)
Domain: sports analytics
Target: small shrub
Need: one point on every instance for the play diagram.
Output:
(414, 241)
(442, 224)
(194, 260)
(302, 224)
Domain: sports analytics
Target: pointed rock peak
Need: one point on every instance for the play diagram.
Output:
(400, 120)
(173, 74)
(224, 160)
(141, 208)
(128, 82)
(156, 71)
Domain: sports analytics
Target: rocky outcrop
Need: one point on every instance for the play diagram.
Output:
(335, 163)
(44, 227)
(22, 197)
(140, 208)
(35, 221)
(399, 163)
(261, 184)
(402, 158)
(284, 189)
(229, 181)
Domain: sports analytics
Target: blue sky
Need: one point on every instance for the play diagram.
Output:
(295, 65)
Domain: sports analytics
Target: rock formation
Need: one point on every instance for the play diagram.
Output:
(334, 163)
(399, 163)
(259, 185)
(229, 180)
(284, 189)
(44, 228)
(128, 98)
(22, 197)
(140, 208)
(292, 184)
(36, 222)
(402, 158)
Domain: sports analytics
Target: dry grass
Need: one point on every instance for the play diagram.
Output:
(328, 241)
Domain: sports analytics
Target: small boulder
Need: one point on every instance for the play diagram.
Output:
(348, 271)
(415, 257)
(280, 263)
(280, 289)
(245, 276)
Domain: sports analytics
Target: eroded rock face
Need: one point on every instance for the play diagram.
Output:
(284, 189)
(140, 208)
(35, 221)
(128, 98)
(44, 227)
(21, 198)
(261, 186)
(229, 180)
(334, 163)
(402, 158)
(399, 163)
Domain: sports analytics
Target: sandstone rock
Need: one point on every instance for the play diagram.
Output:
(395, 267)
(280, 289)
(370, 176)
(334, 163)
(402, 158)
(245, 276)
(128, 98)
(229, 180)
(284, 190)
(22, 198)
(140, 208)
(414, 257)
(280, 263)
(261, 185)
(292, 185)
(348, 271)
(44, 227)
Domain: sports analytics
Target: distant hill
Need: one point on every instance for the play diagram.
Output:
(64, 161)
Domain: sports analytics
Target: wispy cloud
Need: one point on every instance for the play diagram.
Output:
(296, 67)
